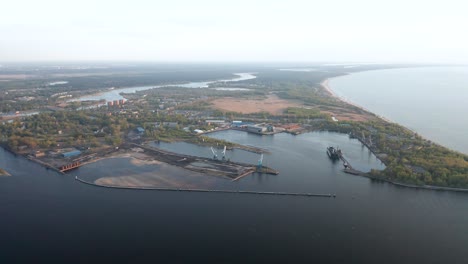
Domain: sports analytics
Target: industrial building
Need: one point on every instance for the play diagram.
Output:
(71, 153)
(260, 129)
(255, 129)
(215, 121)
(240, 123)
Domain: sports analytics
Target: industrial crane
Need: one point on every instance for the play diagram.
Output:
(224, 153)
(260, 162)
(215, 155)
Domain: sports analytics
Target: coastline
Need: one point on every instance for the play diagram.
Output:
(436, 138)
(423, 187)
(325, 85)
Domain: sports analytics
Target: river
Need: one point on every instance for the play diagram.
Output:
(431, 100)
(114, 94)
(48, 215)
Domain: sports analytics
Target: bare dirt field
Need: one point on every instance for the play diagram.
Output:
(272, 104)
(275, 105)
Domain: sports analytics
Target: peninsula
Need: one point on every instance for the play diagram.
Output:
(64, 134)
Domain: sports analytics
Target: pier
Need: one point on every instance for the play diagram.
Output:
(209, 190)
(348, 168)
(46, 165)
(70, 166)
(353, 171)
(223, 168)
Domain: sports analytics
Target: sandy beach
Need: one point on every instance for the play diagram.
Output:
(326, 86)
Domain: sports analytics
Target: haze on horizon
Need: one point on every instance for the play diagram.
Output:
(238, 31)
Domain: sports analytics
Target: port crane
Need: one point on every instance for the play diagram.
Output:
(224, 153)
(260, 162)
(215, 155)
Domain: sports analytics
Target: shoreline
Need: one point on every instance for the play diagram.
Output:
(325, 85)
(129, 155)
(422, 187)
(4, 173)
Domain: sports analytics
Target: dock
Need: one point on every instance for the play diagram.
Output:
(252, 149)
(209, 190)
(353, 171)
(228, 169)
(46, 165)
(70, 166)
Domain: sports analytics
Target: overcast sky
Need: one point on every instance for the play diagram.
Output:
(204, 30)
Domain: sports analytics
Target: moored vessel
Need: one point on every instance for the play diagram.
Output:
(334, 153)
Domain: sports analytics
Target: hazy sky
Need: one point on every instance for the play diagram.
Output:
(204, 30)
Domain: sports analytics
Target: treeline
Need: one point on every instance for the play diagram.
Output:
(305, 113)
(63, 128)
(408, 157)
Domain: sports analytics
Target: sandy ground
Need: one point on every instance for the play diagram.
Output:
(162, 175)
(138, 158)
(4, 173)
(272, 104)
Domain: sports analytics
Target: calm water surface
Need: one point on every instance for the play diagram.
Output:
(115, 94)
(45, 215)
(432, 101)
